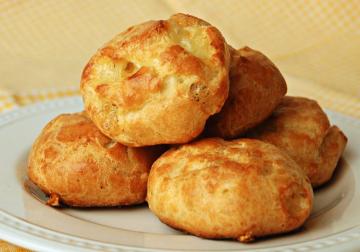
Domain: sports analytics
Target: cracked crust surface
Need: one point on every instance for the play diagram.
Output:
(256, 88)
(300, 127)
(238, 189)
(72, 160)
(157, 82)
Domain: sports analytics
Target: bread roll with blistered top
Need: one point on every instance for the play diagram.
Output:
(74, 161)
(238, 189)
(300, 127)
(256, 88)
(157, 82)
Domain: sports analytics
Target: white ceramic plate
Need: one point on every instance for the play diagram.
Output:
(334, 224)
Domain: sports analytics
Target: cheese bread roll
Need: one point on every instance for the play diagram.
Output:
(220, 189)
(157, 82)
(256, 88)
(300, 127)
(74, 162)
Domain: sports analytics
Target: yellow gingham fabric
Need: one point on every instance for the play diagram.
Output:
(26, 98)
(47, 43)
(44, 45)
(12, 100)
(7, 101)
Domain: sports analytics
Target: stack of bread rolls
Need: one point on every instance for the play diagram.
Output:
(242, 157)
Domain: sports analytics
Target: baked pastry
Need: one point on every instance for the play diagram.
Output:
(220, 189)
(256, 88)
(300, 127)
(157, 82)
(76, 164)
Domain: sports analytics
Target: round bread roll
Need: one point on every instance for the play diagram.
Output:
(220, 189)
(300, 127)
(256, 88)
(157, 82)
(73, 161)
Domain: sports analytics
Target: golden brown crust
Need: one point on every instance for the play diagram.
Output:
(218, 189)
(256, 88)
(157, 82)
(74, 161)
(301, 128)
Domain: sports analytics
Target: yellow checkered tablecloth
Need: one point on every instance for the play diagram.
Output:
(12, 100)
(316, 44)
